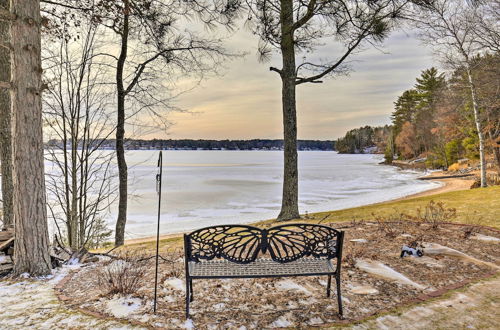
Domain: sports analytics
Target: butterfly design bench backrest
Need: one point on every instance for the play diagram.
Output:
(243, 244)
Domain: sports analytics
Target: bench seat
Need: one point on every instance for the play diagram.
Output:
(260, 268)
(242, 251)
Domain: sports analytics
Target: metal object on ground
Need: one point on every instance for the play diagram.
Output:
(232, 251)
(408, 251)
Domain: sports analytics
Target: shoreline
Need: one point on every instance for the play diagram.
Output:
(448, 185)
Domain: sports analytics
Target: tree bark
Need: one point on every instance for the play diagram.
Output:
(120, 133)
(289, 203)
(73, 214)
(31, 253)
(6, 122)
(478, 127)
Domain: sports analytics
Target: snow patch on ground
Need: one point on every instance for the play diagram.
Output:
(123, 306)
(291, 285)
(281, 322)
(358, 240)
(379, 269)
(219, 306)
(32, 304)
(437, 249)
(175, 283)
(315, 321)
(431, 262)
(189, 324)
(486, 238)
(363, 289)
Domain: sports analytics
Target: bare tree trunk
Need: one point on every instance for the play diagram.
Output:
(31, 252)
(120, 134)
(478, 127)
(73, 214)
(289, 203)
(5, 121)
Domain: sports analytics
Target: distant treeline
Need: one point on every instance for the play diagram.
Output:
(364, 140)
(256, 144)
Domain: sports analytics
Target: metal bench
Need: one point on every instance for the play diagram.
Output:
(240, 251)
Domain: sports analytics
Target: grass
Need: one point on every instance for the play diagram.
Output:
(480, 206)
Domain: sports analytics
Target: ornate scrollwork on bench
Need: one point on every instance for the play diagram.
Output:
(242, 244)
(291, 242)
(236, 243)
(280, 248)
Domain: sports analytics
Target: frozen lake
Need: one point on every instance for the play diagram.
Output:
(202, 188)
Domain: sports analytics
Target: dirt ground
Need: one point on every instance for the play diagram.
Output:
(301, 302)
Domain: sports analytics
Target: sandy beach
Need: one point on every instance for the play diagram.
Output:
(448, 184)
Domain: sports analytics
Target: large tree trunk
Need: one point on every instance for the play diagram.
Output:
(478, 127)
(6, 122)
(120, 134)
(31, 253)
(289, 203)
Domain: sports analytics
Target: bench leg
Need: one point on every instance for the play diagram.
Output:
(328, 285)
(339, 297)
(191, 289)
(187, 297)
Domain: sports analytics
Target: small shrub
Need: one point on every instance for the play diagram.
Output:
(387, 228)
(354, 253)
(386, 223)
(174, 268)
(473, 223)
(123, 274)
(435, 214)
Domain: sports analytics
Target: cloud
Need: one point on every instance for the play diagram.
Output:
(245, 102)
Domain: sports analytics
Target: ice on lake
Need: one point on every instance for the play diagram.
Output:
(202, 188)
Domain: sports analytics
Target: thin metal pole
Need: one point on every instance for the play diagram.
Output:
(158, 189)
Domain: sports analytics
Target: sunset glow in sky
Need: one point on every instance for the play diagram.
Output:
(245, 102)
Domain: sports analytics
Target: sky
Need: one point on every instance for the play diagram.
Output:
(244, 102)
